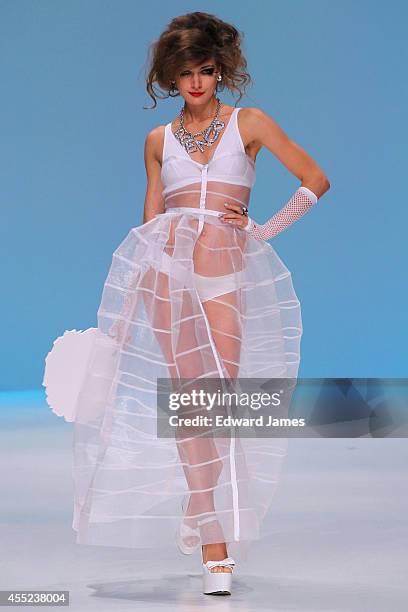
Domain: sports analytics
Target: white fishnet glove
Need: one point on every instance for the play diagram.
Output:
(298, 205)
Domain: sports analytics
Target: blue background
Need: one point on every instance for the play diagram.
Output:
(72, 177)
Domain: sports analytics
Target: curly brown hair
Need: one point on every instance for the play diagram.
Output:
(194, 38)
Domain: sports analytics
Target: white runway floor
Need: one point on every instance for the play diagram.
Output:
(335, 539)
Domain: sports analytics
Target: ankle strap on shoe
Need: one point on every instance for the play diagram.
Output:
(228, 562)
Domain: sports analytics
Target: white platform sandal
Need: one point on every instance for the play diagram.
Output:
(217, 583)
(185, 531)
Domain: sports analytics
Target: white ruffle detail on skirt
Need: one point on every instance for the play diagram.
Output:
(129, 482)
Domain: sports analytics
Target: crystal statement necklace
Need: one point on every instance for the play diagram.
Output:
(208, 135)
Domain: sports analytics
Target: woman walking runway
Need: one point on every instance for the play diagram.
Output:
(196, 292)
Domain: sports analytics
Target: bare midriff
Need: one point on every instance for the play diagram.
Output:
(217, 193)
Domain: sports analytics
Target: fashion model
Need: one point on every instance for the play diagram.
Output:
(195, 292)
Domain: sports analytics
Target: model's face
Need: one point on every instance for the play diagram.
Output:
(198, 79)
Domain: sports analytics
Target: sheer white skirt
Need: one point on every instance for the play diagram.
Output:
(186, 296)
(208, 287)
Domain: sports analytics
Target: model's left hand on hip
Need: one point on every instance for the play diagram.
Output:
(236, 218)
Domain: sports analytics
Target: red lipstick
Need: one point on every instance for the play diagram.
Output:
(196, 94)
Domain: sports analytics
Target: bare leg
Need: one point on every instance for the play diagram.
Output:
(201, 463)
(223, 314)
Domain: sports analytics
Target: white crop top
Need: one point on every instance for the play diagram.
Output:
(230, 173)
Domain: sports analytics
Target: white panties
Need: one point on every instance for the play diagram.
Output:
(208, 287)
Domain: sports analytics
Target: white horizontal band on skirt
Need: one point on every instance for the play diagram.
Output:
(200, 211)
